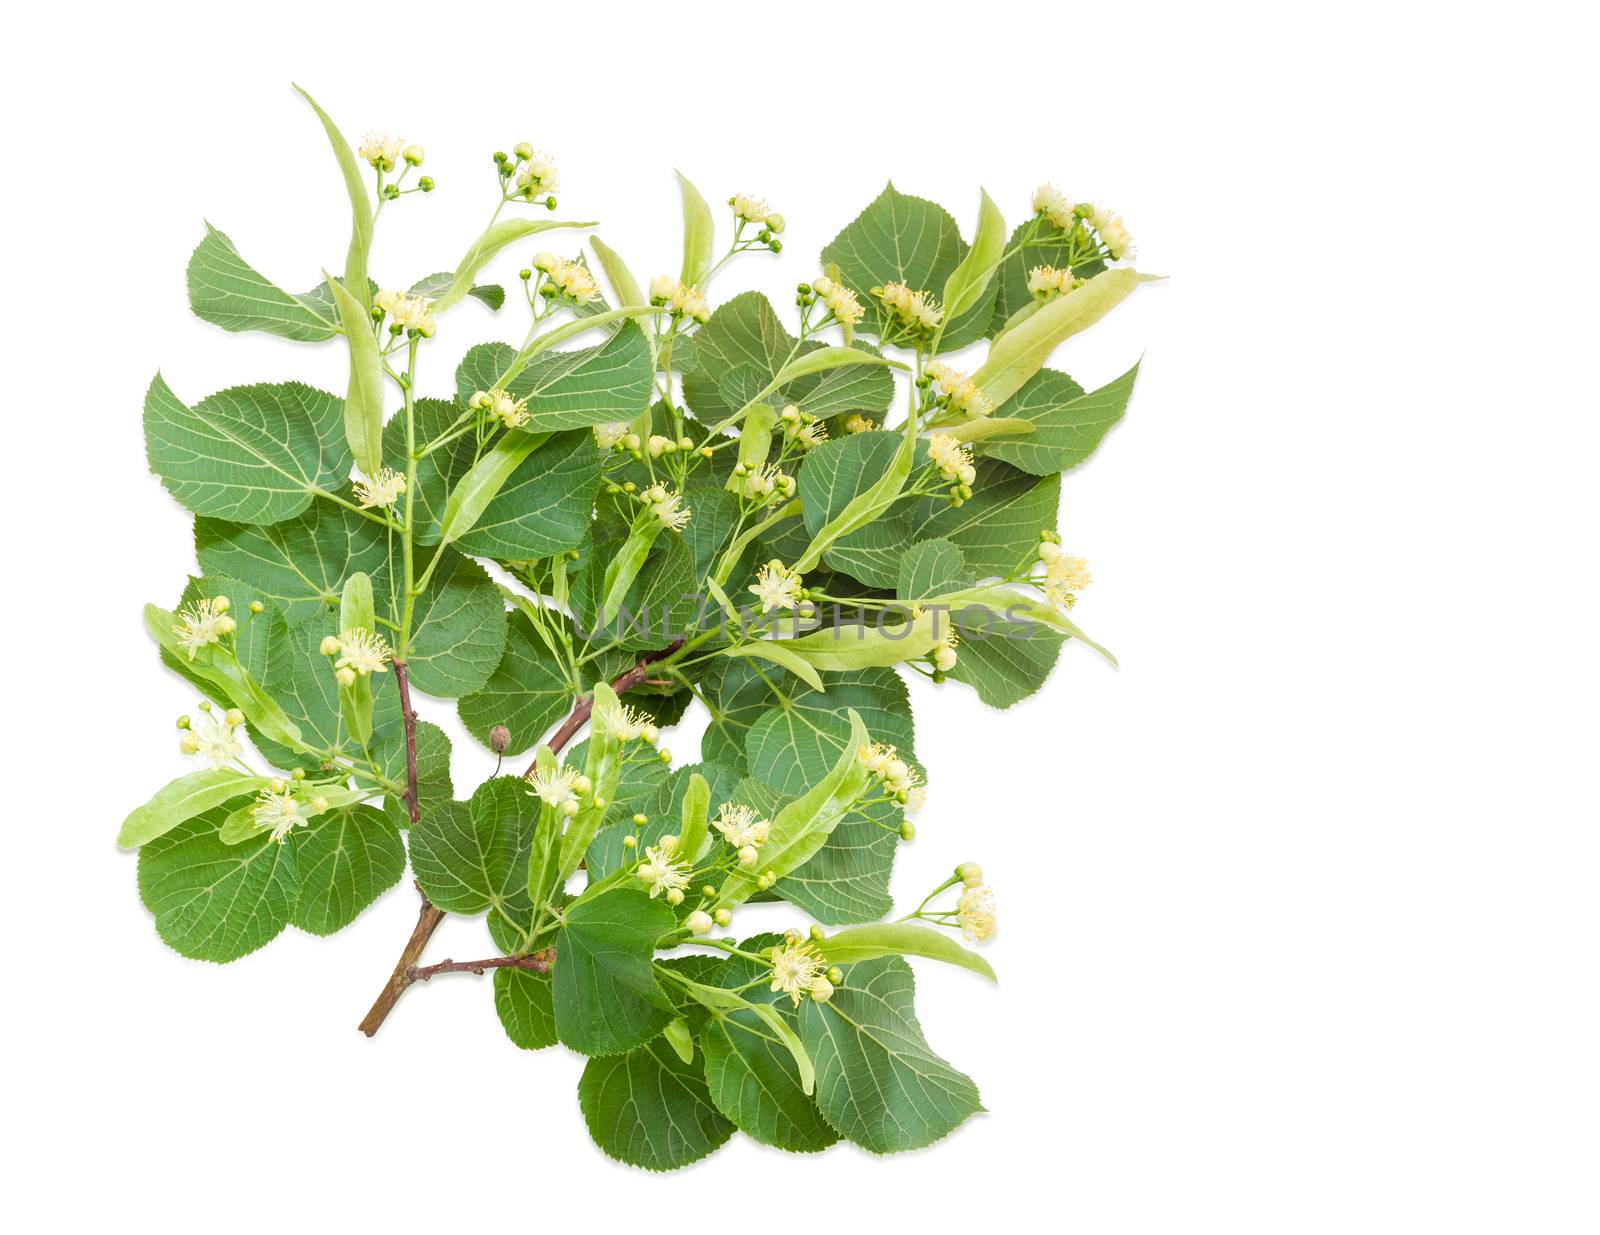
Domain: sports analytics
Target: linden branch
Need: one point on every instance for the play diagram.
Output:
(406, 970)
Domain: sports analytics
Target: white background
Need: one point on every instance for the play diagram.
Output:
(1299, 906)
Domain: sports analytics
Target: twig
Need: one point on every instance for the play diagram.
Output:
(537, 962)
(406, 970)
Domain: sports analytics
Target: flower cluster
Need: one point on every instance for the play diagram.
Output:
(215, 741)
(559, 787)
(511, 412)
(406, 313)
(799, 970)
(1048, 282)
(1053, 204)
(838, 299)
(683, 300)
(975, 913)
(664, 873)
(203, 622)
(356, 651)
(801, 429)
(528, 173)
(382, 490)
(744, 830)
(667, 506)
(957, 391)
(1064, 575)
(764, 484)
(385, 151)
(954, 462)
(897, 776)
(917, 311)
(749, 210)
(564, 280)
(1112, 231)
(628, 724)
(614, 435)
(778, 587)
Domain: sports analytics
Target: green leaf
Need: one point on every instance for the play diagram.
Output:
(865, 943)
(825, 358)
(458, 630)
(698, 234)
(568, 390)
(355, 268)
(1067, 424)
(789, 748)
(180, 800)
(1034, 242)
(779, 653)
(525, 1004)
(227, 291)
(346, 859)
(527, 692)
(968, 281)
(494, 238)
(878, 1082)
(544, 507)
(650, 1109)
(932, 568)
(802, 827)
(869, 474)
(607, 999)
(363, 400)
(438, 471)
(1021, 351)
(212, 901)
(903, 239)
(483, 480)
(623, 285)
(301, 563)
(997, 527)
(434, 788)
(492, 294)
(1009, 661)
(753, 1063)
(472, 856)
(252, 454)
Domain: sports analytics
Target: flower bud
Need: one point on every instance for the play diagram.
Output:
(190, 745)
(426, 184)
(319, 804)
(630, 841)
(221, 604)
(256, 606)
(569, 808)
(412, 155)
(668, 843)
(817, 934)
(330, 646)
(748, 857)
(346, 677)
(763, 883)
(183, 722)
(640, 819)
(227, 625)
(835, 974)
(297, 774)
(523, 150)
(724, 917)
(775, 223)
(499, 739)
(277, 785)
(821, 990)
(908, 830)
(698, 922)
(970, 873)
(233, 716)
(674, 896)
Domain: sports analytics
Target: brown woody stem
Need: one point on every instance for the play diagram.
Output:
(406, 970)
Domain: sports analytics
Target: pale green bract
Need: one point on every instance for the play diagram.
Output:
(651, 503)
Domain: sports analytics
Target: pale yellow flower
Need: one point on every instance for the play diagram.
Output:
(383, 490)
(381, 149)
(201, 623)
(795, 968)
(660, 873)
(963, 393)
(976, 913)
(1054, 205)
(279, 813)
(777, 587)
(362, 651)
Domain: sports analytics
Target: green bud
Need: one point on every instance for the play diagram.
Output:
(523, 150)
(908, 830)
(257, 607)
(183, 722)
(818, 934)
(298, 774)
(524, 275)
(775, 245)
(549, 203)
(723, 917)
(640, 819)
(499, 156)
(234, 716)
(426, 184)
(835, 975)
